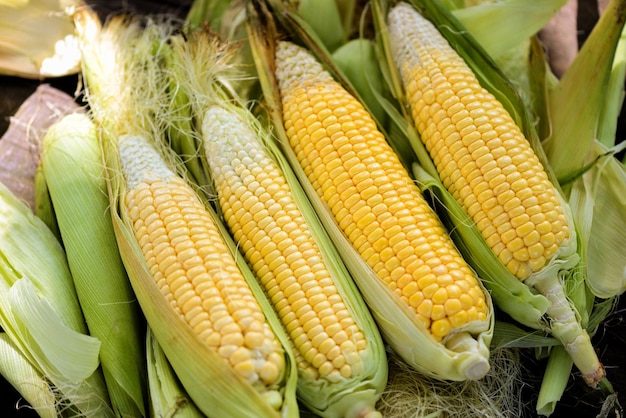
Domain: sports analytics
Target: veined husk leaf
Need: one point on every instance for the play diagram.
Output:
(43, 203)
(598, 200)
(324, 18)
(40, 311)
(26, 379)
(73, 170)
(358, 60)
(614, 98)
(398, 325)
(501, 26)
(554, 382)
(210, 381)
(166, 396)
(37, 39)
(570, 144)
(202, 65)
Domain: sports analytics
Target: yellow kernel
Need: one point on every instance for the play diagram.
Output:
(245, 369)
(440, 328)
(269, 372)
(458, 319)
(425, 308)
(438, 312)
(452, 306)
(440, 296)
(254, 339)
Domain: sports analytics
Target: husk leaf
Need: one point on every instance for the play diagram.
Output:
(72, 164)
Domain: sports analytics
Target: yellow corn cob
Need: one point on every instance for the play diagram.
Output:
(276, 241)
(490, 168)
(373, 198)
(481, 155)
(193, 267)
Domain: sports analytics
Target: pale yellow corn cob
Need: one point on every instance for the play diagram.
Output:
(272, 234)
(193, 268)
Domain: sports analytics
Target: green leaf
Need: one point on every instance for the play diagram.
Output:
(576, 103)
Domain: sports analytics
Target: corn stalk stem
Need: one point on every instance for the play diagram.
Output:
(566, 328)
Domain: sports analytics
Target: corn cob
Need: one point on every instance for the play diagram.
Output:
(273, 236)
(488, 166)
(193, 268)
(203, 306)
(377, 205)
(339, 353)
(481, 155)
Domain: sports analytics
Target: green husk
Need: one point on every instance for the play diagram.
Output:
(614, 99)
(598, 200)
(571, 144)
(43, 203)
(324, 18)
(72, 165)
(358, 60)
(26, 379)
(167, 397)
(501, 26)
(40, 310)
(554, 382)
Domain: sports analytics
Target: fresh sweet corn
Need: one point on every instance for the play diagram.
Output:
(273, 236)
(376, 204)
(332, 347)
(193, 267)
(71, 164)
(373, 198)
(202, 304)
(489, 167)
(340, 356)
(481, 155)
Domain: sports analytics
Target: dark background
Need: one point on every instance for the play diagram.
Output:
(610, 339)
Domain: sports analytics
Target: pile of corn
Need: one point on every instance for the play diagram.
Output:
(257, 215)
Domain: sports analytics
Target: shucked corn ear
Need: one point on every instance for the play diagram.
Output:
(372, 196)
(198, 277)
(204, 308)
(429, 305)
(193, 269)
(482, 156)
(339, 352)
(488, 166)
